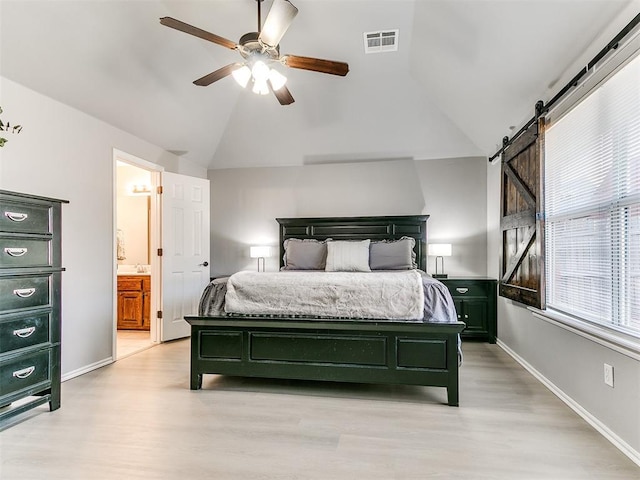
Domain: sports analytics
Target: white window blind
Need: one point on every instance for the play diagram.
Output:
(592, 199)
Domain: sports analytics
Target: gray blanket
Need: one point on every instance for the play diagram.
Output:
(371, 295)
(438, 305)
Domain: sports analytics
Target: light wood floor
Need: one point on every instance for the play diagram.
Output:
(132, 341)
(137, 419)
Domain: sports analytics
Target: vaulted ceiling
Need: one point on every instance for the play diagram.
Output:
(464, 72)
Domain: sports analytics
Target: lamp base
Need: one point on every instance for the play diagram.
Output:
(440, 275)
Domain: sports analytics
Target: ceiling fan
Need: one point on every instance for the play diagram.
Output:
(260, 50)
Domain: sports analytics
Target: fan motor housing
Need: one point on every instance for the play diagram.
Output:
(251, 44)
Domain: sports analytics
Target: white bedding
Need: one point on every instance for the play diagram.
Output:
(395, 295)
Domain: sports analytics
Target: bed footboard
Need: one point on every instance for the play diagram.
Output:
(364, 352)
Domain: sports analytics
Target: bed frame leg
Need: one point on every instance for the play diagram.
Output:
(196, 377)
(196, 381)
(452, 396)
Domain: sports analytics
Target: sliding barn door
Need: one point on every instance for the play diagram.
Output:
(521, 222)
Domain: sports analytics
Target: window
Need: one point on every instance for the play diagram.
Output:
(592, 197)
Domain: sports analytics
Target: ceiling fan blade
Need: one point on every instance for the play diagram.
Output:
(278, 20)
(283, 95)
(316, 64)
(217, 75)
(190, 29)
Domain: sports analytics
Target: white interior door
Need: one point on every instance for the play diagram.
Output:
(185, 250)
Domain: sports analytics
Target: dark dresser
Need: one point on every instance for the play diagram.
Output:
(30, 321)
(475, 299)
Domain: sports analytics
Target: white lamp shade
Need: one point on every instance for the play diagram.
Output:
(260, 252)
(260, 87)
(439, 250)
(260, 71)
(277, 79)
(242, 75)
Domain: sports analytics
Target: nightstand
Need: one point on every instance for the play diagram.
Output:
(475, 299)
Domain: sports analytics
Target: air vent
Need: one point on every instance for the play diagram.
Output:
(382, 41)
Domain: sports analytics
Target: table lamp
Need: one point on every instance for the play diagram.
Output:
(439, 250)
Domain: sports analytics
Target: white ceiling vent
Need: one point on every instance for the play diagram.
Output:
(382, 41)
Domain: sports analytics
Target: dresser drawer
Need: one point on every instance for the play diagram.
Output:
(25, 371)
(24, 252)
(461, 288)
(24, 292)
(24, 331)
(24, 217)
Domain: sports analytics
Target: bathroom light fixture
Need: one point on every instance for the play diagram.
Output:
(142, 189)
(260, 252)
(439, 250)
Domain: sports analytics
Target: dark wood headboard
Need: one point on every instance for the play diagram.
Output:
(358, 228)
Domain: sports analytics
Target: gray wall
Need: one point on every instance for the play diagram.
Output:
(246, 201)
(572, 363)
(64, 153)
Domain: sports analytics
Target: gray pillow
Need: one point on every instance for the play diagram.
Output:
(393, 254)
(307, 254)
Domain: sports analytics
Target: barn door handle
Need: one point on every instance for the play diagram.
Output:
(15, 252)
(16, 217)
(24, 292)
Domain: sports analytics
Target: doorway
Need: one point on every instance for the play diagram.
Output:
(176, 217)
(136, 269)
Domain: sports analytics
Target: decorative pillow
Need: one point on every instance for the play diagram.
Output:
(348, 256)
(307, 254)
(393, 254)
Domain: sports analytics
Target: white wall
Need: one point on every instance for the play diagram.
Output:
(246, 201)
(64, 153)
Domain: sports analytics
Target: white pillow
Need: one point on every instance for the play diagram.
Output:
(346, 256)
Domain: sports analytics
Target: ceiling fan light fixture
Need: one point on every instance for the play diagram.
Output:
(260, 72)
(277, 79)
(260, 87)
(259, 50)
(242, 75)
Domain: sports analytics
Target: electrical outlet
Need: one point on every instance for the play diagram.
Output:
(608, 374)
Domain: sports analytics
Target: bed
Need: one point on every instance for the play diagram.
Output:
(332, 349)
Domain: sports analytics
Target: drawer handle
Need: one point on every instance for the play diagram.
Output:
(15, 252)
(24, 292)
(25, 372)
(24, 332)
(16, 217)
(462, 290)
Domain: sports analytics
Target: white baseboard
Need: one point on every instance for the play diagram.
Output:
(87, 369)
(619, 443)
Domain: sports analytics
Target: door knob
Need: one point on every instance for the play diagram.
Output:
(204, 264)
